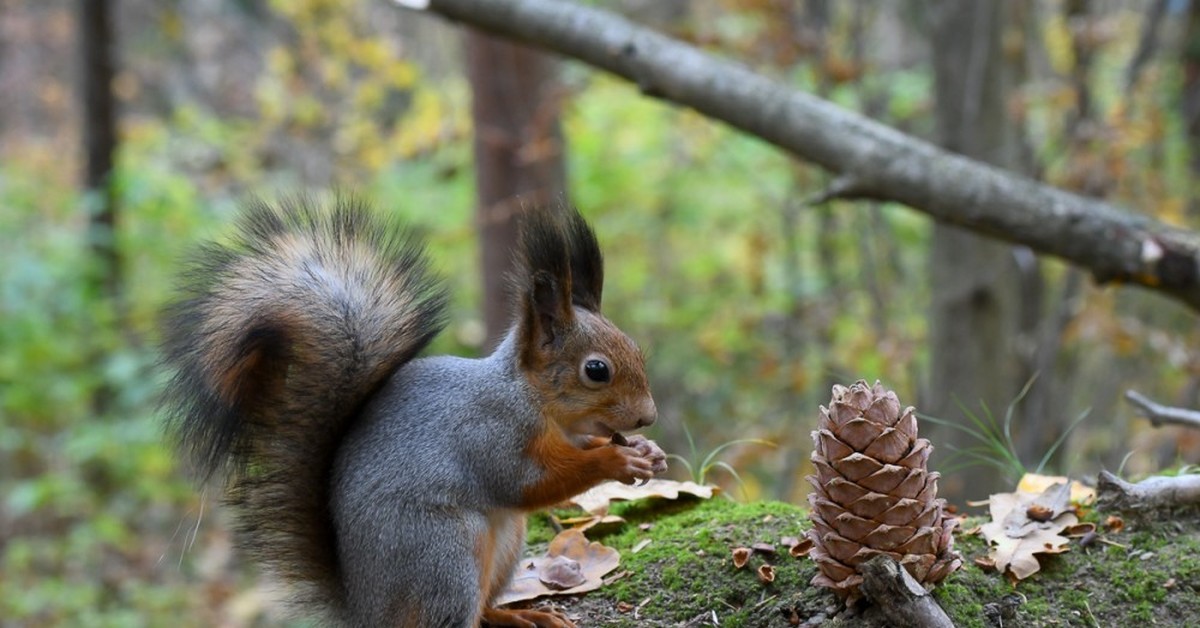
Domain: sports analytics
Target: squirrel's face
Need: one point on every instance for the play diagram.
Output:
(594, 382)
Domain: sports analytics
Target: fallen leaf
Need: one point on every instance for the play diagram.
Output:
(1052, 502)
(740, 556)
(766, 574)
(1025, 511)
(590, 522)
(624, 607)
(1035, 483)
(592, 559)
(1114, 523)
(597, 499)
(641, 545)
(1016, 539)
(1017, 555)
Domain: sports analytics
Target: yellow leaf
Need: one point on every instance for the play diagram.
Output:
(1034, 483)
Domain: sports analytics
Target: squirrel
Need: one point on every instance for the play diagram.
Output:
(388, 489)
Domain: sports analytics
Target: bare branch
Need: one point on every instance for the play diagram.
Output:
(1153, 494)
(1160, 414)
(1113, 244)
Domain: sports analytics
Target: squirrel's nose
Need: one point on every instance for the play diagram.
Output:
(648, 412)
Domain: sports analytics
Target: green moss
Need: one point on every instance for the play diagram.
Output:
(686, 570)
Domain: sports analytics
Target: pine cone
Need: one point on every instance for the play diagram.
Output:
(873, 494)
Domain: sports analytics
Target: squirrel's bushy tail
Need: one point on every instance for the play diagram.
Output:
(280, 335)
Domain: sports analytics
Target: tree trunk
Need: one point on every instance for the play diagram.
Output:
(1190, 97)
(100, 137)
(518, 155)
(974, 282)
(97, 46)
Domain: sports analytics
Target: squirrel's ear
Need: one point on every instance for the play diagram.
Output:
(544, 284)
(587, 263)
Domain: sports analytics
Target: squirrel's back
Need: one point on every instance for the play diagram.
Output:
(279, 337)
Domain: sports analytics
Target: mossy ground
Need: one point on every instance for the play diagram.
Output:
(1148, 574)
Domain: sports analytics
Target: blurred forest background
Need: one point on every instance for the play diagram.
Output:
(750, 301)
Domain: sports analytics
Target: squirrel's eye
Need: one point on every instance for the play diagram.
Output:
(597, 371)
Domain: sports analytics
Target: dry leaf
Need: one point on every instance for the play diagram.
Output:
(590, 521)
(1016, 538)
(1054, 501)
(570, 546)
(641, 545)
(1034, 483)
(1016, 555)
(596, 500)
(766, 574)
(740, 556)
(1114, 523)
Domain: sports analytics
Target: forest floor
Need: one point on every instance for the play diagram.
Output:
(683, 574)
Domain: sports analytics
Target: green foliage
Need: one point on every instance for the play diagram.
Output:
(700, 468)
(749, 302)
(687, 567)
(994, 440)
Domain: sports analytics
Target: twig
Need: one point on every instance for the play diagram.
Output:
(843, 187)
(1160, 414)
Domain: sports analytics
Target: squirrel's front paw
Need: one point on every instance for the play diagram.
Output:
(649, 450)
(628, 465)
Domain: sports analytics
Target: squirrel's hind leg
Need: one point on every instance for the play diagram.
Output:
(423, 578)
(500, 550)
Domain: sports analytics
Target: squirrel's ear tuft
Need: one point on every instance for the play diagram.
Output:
(544, 279)
(587, 263)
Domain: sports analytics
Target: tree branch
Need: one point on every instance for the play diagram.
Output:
(1148, 496)
(887, 165)
(1160, 414)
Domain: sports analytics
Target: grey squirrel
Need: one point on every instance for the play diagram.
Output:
(386, 489)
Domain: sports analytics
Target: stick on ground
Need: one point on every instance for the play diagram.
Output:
(897, 596)
(1153, 494)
